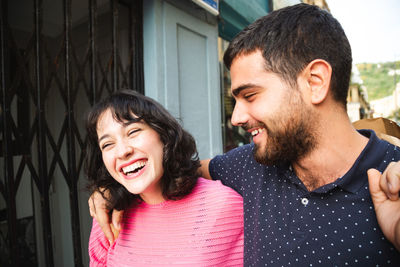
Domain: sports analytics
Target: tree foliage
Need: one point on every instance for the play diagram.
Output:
(377, 79)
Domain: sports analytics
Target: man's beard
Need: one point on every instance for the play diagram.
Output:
(291, 137)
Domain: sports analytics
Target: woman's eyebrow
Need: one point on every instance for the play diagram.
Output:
(103, 137)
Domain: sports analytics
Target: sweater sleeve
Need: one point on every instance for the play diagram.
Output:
(98, 246)
(228, 228)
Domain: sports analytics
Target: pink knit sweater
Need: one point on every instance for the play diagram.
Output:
(203, 229)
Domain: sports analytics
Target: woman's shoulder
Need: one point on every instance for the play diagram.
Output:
(214, 189)
(218, 202)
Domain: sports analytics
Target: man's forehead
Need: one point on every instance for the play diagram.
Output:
(248, 55)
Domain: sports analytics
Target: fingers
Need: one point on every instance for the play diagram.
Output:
(117, 218)
(106, 228)
(98, 210)
(378, 196)
(98, 207)
(391, 182)
(114, 231)
(92, 208)
(373, 179)
(383, 182)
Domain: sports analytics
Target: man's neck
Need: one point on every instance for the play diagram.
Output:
(335, 154)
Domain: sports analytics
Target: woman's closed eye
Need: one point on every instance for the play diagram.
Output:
(132, 132)
(105, 145)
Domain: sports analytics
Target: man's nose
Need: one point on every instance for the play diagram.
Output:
(239, 115)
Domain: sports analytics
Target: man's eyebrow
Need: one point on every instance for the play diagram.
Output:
(236, 91)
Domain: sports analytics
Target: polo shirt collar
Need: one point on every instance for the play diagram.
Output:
(371, 157)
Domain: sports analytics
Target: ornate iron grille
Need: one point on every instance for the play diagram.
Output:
(49, 76)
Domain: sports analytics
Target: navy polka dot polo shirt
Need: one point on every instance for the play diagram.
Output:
(286, 225)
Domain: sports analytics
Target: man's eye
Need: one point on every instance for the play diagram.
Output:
(248, 96)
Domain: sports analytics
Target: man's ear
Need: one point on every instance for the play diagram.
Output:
(318, 74)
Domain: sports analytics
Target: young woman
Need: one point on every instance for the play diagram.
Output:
(147, 164)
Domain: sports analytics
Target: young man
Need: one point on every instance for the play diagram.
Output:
(304, 178)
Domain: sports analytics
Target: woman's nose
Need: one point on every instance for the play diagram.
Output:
(124, 150)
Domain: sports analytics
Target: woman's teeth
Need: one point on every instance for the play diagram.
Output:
(134, 167)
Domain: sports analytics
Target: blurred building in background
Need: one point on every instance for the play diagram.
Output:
(387, 107)
(357, 98)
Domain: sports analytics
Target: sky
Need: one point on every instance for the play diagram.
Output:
(372, 27)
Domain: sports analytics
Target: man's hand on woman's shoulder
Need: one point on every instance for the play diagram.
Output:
(98, 210)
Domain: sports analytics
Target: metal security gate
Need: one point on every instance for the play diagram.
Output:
(57, 58)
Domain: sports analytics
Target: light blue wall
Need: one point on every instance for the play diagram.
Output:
(181, 68)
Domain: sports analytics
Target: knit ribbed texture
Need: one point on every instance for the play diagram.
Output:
(203, 229)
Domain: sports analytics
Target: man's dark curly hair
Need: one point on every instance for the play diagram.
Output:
(290, 38)
(180, 157)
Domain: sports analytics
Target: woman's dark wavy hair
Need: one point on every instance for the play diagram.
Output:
(180, 157)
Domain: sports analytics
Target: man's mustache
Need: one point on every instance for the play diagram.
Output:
(247, 126)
